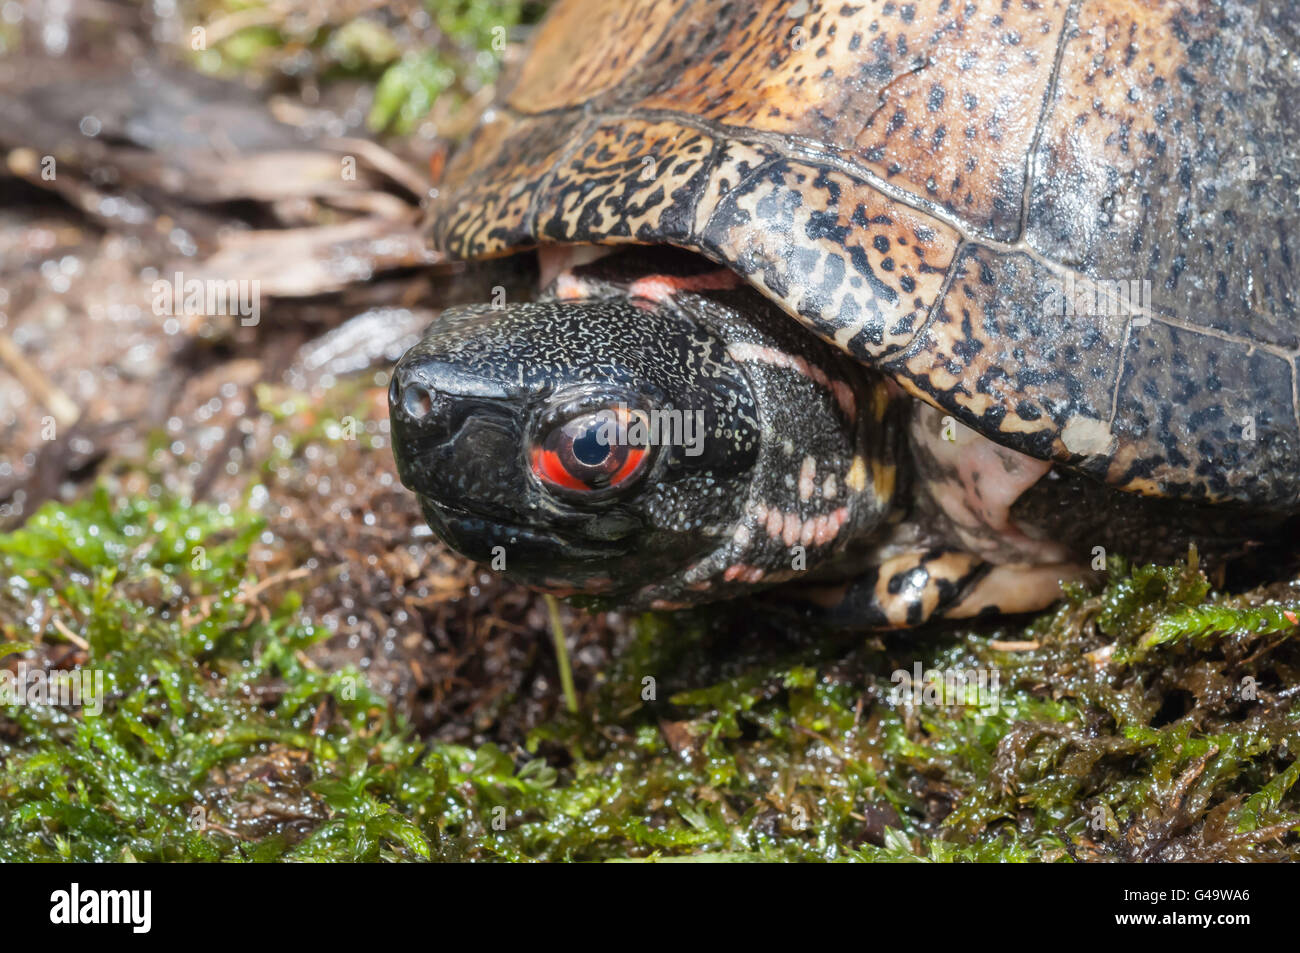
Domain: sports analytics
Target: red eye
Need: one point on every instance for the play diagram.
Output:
(591, 452)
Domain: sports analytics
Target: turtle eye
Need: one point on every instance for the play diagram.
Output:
(590, 452)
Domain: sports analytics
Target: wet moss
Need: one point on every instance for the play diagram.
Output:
(1151, 720)
(472, 39)
(417, 56)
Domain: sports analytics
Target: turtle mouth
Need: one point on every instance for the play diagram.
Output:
(484, 537)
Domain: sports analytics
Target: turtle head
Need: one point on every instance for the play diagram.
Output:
(639, 450)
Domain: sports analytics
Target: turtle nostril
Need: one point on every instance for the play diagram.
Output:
(417, 402)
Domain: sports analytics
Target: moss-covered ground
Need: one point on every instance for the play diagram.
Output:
(1151, 720)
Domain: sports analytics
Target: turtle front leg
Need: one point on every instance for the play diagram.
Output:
(916, 587)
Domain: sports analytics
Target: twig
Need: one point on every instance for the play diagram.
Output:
(227, 26)
(252, 592)
(71, 636)
(562, 654)
(1001, 645)
(63, 408)
(385, 162)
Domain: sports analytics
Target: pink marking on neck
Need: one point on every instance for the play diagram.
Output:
(791, 528)
(749, 574)
(569, 288)
(761, 354)
(662, 287)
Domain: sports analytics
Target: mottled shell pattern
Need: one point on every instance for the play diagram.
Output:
(1070, 225)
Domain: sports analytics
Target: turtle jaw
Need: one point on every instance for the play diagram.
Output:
(486, 539)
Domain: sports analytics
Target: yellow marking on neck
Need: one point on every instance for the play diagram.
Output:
(857, 476)
(883, 478)
(880, 399)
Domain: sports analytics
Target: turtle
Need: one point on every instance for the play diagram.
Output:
(909, 310)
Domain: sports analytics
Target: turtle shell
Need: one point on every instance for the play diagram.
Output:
(1067, 224)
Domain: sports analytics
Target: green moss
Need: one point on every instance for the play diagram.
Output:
(1148, 721)
(191, 685)
(474, 38)
(414, 61)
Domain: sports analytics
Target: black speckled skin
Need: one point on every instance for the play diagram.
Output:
(495, 377)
